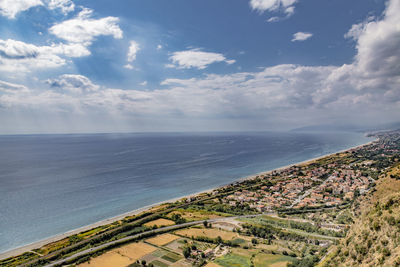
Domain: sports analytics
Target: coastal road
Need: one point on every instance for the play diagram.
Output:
(134, 237)
(86, 241)
(167, 229)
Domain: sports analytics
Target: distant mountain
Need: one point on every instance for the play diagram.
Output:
(347, 128)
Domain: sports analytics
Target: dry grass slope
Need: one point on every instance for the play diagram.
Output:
(374, 239)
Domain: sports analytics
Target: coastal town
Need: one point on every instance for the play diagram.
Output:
(293, 216)
(321, 186)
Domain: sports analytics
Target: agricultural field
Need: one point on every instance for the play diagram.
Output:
(159, 223)
(162, 240)
(162, 257)
(252, 257)
(208, 232)
(233, 260)
(121, 257)
(264, 260)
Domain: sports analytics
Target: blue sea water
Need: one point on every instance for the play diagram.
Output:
(50, 184)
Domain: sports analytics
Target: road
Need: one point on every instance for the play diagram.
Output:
(134, 237)
(166, 229)
(86, 241)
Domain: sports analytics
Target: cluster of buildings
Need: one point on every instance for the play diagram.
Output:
(328, 184)
(298, 187)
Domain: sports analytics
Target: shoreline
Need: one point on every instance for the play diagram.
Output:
(38, 244)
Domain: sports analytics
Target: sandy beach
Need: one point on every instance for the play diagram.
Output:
(38, 244)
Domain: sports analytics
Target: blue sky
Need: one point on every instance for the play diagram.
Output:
(129, 65)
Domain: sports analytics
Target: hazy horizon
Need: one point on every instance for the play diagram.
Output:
(80, 66)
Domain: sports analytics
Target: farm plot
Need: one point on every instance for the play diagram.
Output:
(159, 223)
(162, 240)
(122, 256)
(207, 232)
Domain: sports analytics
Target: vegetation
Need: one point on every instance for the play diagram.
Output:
(374, 239)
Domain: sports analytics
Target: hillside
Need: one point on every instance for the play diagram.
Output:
(374, 238)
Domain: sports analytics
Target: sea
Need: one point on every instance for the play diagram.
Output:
(51, 184)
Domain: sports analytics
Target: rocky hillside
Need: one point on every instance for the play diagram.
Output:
(374, 238)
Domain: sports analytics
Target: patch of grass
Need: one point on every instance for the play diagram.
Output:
(264, 260)
(157, 263)
(14, 261)
(238, 241)
(158, 253)
(233, 260)
(171, 257)
(92, 232)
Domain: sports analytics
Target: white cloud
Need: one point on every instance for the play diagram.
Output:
(357, 29)
(287, 6)
(129, 66)
(69, 50)
(84, 29)
(301, 36)
(65, 6)
(133, 49)
(195, 58)
(143, 83)
(12, 88)
(274, 19)
(10, 8)
(73, 83)
(24, 57)
(159, 47)
(364, 91)
(378, 50)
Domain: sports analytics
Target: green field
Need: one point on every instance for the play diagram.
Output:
(171, 257)
(233, 260)
(157, 263)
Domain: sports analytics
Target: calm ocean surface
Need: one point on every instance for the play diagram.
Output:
(50, 184)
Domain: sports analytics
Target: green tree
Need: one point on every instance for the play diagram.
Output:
(186, 252)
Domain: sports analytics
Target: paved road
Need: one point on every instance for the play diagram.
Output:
(165, 229)
(129, 238)
(86, 241)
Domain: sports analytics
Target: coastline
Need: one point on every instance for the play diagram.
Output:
(35, 245)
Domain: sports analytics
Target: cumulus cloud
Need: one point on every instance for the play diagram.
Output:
(286, 6)
(364, 91)
(357, 29)
(84, 29)
(23, 57)
(65, 6)
(79, 33)
(10, 8)
(131, 56)
(378, 45)
(195, 58)
(301, 36)
(73, 83)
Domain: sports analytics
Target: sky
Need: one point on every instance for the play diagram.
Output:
(74, 66)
